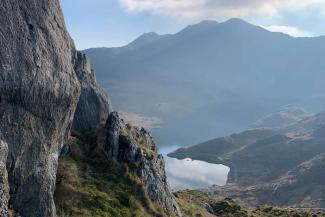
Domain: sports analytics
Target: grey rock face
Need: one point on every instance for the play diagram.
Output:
(39, 91)
(137, 148)
(4, 185)
(94, 105)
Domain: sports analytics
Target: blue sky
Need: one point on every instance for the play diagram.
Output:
(110, 23)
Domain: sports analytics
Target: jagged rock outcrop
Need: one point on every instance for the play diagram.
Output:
(39, 91)
(94, 105)
(136, 148)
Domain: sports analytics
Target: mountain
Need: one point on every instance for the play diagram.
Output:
(302, 188)
(143, 40)
(280, 166)
(212, 79)
(287, 115)
(64, 151)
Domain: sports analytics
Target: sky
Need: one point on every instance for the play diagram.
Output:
(114, 23)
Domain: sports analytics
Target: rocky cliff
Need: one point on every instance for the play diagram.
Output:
(39, 91)
(91, 185)
(127, 146)
(46, 86)
(136, 148)
(94, 105)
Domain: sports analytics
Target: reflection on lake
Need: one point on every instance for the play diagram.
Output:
(189, 174)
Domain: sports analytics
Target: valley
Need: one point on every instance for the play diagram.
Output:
(219, 119)
(211, 79)
(280, 166)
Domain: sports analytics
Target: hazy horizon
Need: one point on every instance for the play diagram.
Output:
(116, 23)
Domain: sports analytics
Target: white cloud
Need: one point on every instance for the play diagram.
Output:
(200, 9)
(290, 30)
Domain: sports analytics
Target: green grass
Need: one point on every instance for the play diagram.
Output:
(192, 204)
(91, 185)
(125, 137)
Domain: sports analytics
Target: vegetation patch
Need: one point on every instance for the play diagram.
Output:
(91, 185)
(127, 137)
(194, 203)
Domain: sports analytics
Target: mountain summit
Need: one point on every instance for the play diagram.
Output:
(214, 78)
(144, 39)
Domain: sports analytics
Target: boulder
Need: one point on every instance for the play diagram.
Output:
(39, 91)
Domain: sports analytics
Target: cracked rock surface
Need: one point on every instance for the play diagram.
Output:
(137, 148)
(39, 91)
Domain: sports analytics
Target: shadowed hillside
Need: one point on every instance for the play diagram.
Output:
(212, 78)
(280, 166)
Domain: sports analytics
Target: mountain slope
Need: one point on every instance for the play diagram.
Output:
(198, 203)
(281, 166)
(214, 78)
(302, 187)
(285, 116)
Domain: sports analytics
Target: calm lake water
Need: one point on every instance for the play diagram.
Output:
(192, 174)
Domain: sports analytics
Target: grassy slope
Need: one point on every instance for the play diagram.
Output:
(91, 185)
(192, 203)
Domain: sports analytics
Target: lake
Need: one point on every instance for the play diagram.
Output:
(192, 174)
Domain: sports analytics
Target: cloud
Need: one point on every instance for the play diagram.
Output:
(200, 9)
(290, 30)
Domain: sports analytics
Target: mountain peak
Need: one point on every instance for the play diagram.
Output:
(236, 21)
(149, 35)
(199, 27)
(244, 26)
(207, 22)
(144, 39)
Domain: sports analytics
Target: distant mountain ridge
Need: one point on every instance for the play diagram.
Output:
(287, 115)
(215, 78)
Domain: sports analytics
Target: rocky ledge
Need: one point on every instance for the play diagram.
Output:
(136, 150)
